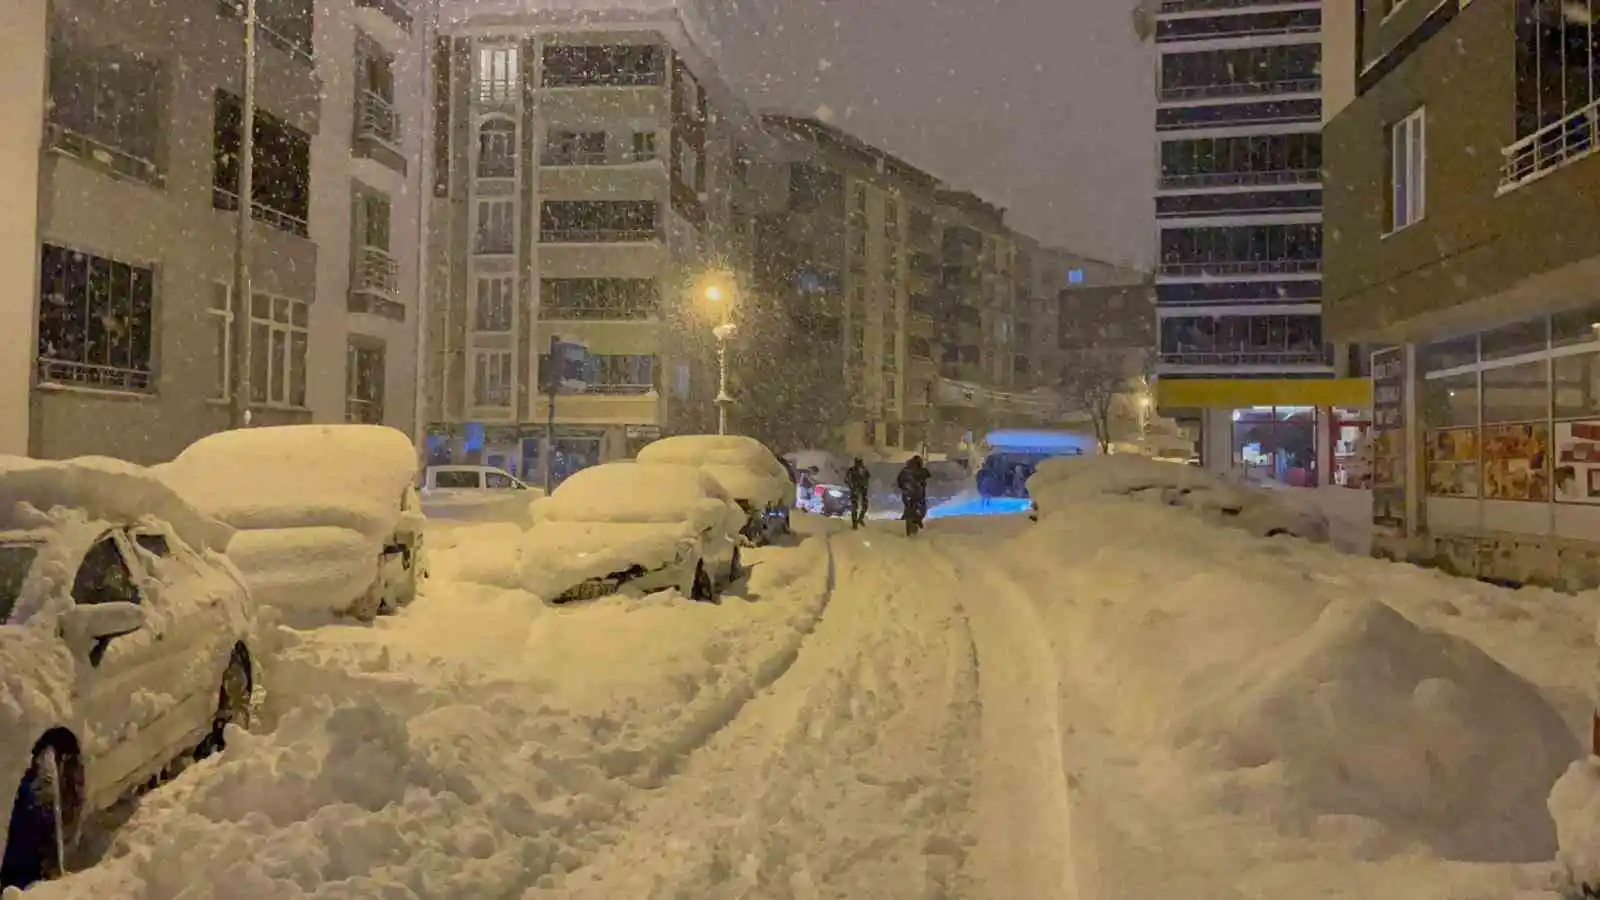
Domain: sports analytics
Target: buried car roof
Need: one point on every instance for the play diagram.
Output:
(103, 489)
(636, 492)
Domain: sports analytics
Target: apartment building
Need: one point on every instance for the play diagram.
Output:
(1479, 271)
(132, 245)
(1241, 351)
(582, 170)
(24, 25)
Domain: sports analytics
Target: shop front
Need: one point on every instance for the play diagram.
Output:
(518, 449)
(1298, 432)
(1498, 460)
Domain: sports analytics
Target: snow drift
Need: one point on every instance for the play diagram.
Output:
(104, 489)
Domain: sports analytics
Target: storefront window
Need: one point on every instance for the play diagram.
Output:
(1277, 443)
(1450, 413)
(1518, 393)
(1352, 454)
(1516, 339)
(1450, 402)
(1450, 354)
(1576, 386)
(1575, 326)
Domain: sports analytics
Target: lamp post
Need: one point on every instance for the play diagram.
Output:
(239, 408)
(723, 332)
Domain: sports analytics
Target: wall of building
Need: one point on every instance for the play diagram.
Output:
(22, 105)
(1338, 56)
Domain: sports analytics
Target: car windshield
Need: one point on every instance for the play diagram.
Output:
(15, 562)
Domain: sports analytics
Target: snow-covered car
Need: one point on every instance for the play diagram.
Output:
(746, 469)
(1061, 483)
(476, 493)
(329, 517)
(634, 526)
(126, 647)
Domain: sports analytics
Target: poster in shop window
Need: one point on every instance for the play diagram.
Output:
(1577, 462)
(1516, 462)
(1452, 455)
(1389, 442)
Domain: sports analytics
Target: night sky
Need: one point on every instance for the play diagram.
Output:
(1044, 106)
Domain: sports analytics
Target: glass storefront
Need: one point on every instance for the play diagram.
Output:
(1276, 443)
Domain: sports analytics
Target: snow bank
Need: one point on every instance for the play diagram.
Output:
(512, 507)
(632, 493)
(305, 571)
(1064, 482)
(1266, 694)
(488, 554)
(104, 489)
(299, 476)
(558, 555)
(742, 465)
(478, 744)
(1575, 806)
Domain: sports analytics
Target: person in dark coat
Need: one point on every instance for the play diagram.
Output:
(859, 480)
(913, 485)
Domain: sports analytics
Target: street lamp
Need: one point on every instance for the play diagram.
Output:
(239, 408)
(715, 295)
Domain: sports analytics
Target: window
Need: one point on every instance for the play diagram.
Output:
(499, 481)
(279, 335)
(1286, 68)
(598, 298)
(154, 543)
(1557, 73)
(1576, 384)
(644, 145)
(889, 388)
(364, 369)
(106, 107)
(281, 190)
(372, 213)
(1518, 393)
(607, 374)
(496, 228)
(1407, 171)
(589, 221)
(622, 65)
(497, 148)
(813, 187)
(220, 313)
(104, 576)
(95, 320)
(492, 311)
(497, 74)
(1242, 249)
(491, 383)
(575, 148)
(456, 478)
(690, 173)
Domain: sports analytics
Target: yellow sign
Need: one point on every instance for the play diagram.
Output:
(1235, 393)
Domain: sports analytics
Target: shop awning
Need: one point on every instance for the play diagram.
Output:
(1234, 393)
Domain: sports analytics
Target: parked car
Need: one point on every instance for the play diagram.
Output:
(634, 526)
(329, 517)
(126, 647)
(820, 486)
(475, 493)
(746, 469)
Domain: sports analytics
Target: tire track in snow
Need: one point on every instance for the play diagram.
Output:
(851, 777)
(1023, 807)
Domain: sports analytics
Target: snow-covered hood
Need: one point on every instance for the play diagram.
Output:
(559, 555)
(750, 486)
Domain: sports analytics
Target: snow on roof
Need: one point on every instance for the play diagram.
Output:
(297, 476)
(101, 489)
(742, 465)
(632, 493)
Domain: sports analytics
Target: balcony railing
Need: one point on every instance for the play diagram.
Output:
(1322, 357)
(1551, 147)
(363, 412)
(228, 200)
(377, 273)
(496, 93)
(494, 243)
(1164, 36)
(1241, 179)
(1242, 89)
(599, 235)
(493, 397)
(77, 144)
(606, 390)
(1244, 267)
(594, 158)
(378, 121)
(398, 11)
(1177, 6)
(106, 378)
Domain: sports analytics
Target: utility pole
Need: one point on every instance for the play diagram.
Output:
(239, 409)
(552, 387)
(424, 192)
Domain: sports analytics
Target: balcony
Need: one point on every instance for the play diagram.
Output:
(229, 201)
(1203, 180)
(1228, 268)
(1241, 89)
(1551, 147)
(375, 285)
(602, 405)
(1179, 6)
(552, 157)
(378, 132)
(358, 411)
(600, 236)
(80, 146)
(397, 11)
(1303, 357)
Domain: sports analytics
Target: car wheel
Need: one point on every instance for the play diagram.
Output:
(36, 846)
(233, 705)
(704, 590)
(735, 567)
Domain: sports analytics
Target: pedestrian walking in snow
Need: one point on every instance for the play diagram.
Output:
(859, 480)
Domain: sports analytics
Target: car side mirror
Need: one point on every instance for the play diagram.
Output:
(83, 625)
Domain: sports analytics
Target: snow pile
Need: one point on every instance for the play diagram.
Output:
(305, 571)
(1265, 695)
(744, 467)
(299, 476)
(558, 555)
(1575, 806)
(1064, 482)
(488, 554)
(636, 494)
(105, 489)
(479, 744)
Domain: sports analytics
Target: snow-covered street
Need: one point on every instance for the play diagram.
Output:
(1121, 702)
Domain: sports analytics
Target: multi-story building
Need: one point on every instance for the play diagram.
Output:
(131, 244)
(1241, 353)
(1479, 271)
(24, 25)
(582, 171)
